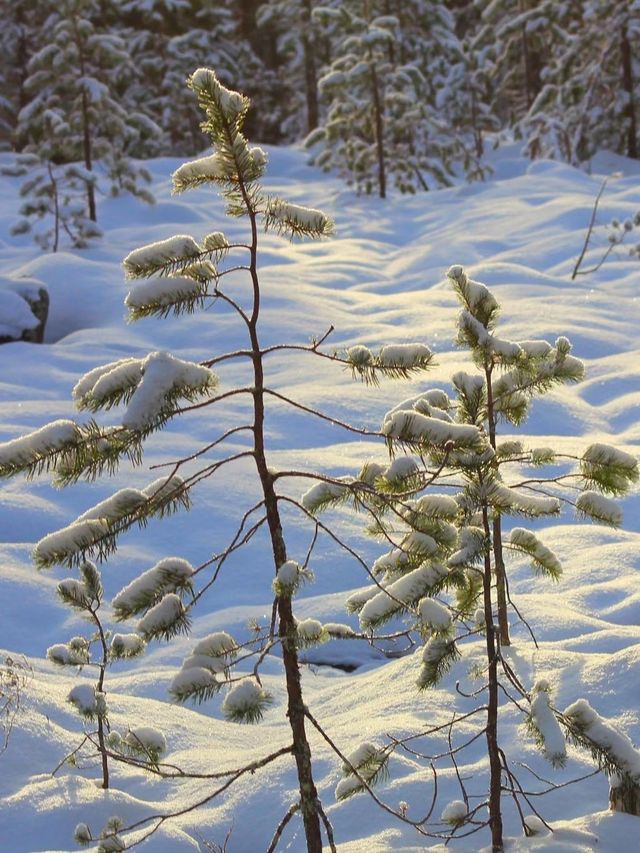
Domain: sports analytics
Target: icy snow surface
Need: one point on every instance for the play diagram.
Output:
(380, 281)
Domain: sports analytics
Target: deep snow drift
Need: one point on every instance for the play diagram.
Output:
(379, 281)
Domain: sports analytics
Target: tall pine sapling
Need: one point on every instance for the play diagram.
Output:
(174, 276)
(445, 570)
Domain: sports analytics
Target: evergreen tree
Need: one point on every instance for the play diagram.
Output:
(389, 91)
(90, 700)
(300, 44)
(71, 115)
(22, 21)
(590, 86)
(179, 275)
(55, 195)
(445, 570)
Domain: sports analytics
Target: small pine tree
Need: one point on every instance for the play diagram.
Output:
(390, 94)
(71, 115)
(445, 571)
(175, 276)
(85, 596)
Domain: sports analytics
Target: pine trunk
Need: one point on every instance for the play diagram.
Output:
(310, 74)
(500, 570)
(379, 131)
(287, 627)
(495, 767)
(627, 83)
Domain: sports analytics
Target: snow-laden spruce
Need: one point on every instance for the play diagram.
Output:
(126, 646)
(296, 219)
(455, 813)
(163, 292)
(599, 508)
(63, 545)
(434, 616)
(413, 428)
(544, 560)
(608, 468)
(89, 702)
(323, 494)
(146, 741)
(402, 593)
(108, 384)
(310, 632)
(370, 762)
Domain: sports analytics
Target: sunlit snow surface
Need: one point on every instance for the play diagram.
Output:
(379, 281)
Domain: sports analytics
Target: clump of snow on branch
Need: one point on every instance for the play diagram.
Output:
(246, 702)
(160, 255)
(546, 725)
(616, 745)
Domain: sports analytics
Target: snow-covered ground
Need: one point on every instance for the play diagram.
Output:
(380, 280)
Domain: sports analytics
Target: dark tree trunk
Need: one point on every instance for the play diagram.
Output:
(495, 767)
(310, 72)
(627, 83)
(379, 131)
(500, 570)
(287, 626)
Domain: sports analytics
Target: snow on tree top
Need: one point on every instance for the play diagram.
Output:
(146, 739)
(433, 614)
(167, 575)
(391, 560)
(61, 544)
(604, 454)
(535, 349)
(545, 721)
(309, 630)
(407, 590)
(454, 812)
(218, 644)
(163, 487)
(243, 696)
(413, 427)
(162, 617)
(307, 219)
(50, 437)
(156, 256)
(597, 506)
(231, 103)
(401, 468)
(191, 679)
